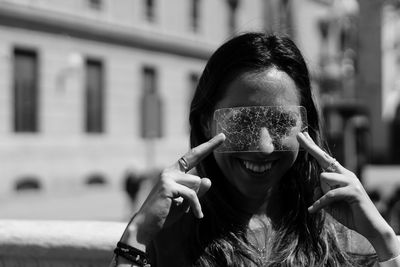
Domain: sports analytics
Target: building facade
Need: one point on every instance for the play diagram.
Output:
(352, 49)
(91, 88)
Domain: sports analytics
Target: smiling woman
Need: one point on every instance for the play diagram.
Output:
(257, 208)
(270, 87)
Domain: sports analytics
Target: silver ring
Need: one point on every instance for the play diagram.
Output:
(331, 167)
(183, 164)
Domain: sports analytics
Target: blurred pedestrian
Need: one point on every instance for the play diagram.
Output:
(133, 181)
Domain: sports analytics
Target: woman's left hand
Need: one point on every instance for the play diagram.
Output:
(344, 197)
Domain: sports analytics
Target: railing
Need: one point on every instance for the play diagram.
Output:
(58, 243)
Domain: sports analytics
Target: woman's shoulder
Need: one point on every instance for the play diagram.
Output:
(352, 242)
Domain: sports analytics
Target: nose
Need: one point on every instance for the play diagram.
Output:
(266, 144)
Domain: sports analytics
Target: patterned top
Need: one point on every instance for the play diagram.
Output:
(167, 249)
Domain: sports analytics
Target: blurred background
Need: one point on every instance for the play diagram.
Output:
(95, 94)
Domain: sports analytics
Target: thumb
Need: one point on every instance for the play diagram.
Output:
(205, 184)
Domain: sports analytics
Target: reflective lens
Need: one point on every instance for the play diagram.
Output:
(260, 128)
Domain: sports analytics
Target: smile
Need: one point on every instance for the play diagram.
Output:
(257, 167)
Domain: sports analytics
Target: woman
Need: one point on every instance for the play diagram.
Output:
(257, 208)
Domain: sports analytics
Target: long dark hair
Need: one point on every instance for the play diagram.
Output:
(220, 238)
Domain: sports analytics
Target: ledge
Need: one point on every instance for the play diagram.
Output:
(58, 243)
(13, 15)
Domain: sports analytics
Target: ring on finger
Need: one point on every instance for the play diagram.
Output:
(332, 166)
(184, 164)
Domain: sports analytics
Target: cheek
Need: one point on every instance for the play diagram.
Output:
(225, 163)
(290, 143)
(220, 159)
(288, 159)
(294, 154)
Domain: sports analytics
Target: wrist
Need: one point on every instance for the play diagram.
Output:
(130, 236)
(393, 262)
(386, 244)
(131, 254)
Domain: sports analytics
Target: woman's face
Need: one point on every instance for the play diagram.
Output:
(254, 173)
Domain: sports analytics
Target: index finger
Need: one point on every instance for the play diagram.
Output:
(321, 156)
(195, 155)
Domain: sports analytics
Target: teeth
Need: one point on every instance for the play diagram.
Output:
(256, 166)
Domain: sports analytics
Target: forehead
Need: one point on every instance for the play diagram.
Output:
(271, 87)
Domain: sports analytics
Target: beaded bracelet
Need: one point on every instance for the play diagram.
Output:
(132, 254)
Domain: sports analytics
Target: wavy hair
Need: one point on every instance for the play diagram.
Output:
(294, 237)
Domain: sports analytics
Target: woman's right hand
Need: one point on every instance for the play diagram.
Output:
(175, 193)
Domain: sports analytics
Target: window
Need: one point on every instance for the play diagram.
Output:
(195, 15)
(95, 4)
(285, 16)
(25, 91)
(149, 81)
(151, 105)
(233, 6)
(193, 81)
(94, 96)
(149, 10)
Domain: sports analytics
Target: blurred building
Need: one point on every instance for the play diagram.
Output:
(91, 88)
(391, 76)
(352, 48)
(327, 34)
